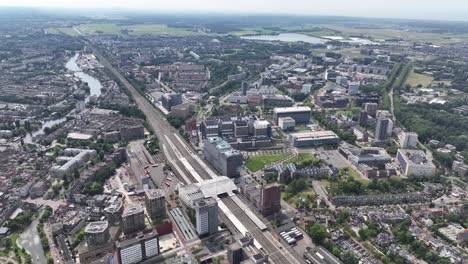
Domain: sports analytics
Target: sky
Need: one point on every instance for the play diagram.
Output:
(416, 9)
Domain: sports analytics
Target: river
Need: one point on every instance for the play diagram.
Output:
(94, 84)
(95, 87)
(287, 37)
(30, 241)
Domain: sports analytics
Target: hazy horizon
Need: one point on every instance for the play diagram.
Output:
(453, 10)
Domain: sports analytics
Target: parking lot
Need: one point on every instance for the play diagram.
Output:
(332, 157)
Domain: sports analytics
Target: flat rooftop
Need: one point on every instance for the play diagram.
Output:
(79, 136)
(297, 109)
(214, 139)
(314, 135)
(132, 210)
(154, 193)
(416, 157)
(97, 227)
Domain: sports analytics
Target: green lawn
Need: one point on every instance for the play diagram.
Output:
(357, 177)
(259, 162)
(415, 79)
(301, 157)
(325, 183)
(293, 199)
(111, 28)
(300, 128)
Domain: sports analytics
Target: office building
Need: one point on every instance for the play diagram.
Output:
(371, 109)
(415, 163)
(300, 114)
(139, 248)
(170, 100)
(206, 211)
(155, 203)
(381, 129)
(331, 101)
(276, 100)
(261, 128)
(306, 88)
(133, 219)
(331, 75)
(222, 157)
(245, 87)
(241, 128)
(286, 123)
(183, 111)
(363, 117)
(313, 138)
(353, 88)
(408, 140)
(270, 199)
(97, 233)
(235, 254)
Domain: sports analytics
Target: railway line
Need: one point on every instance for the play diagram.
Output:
(190, 168)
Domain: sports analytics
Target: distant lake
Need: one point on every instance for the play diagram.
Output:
(287, 37)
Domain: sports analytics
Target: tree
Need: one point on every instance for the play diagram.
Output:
(343, 216)
(56, 189)
(349, 258)
(318, 233)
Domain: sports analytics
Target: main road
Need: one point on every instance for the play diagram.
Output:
(186, 162)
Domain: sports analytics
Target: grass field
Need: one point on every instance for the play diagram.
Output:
(357, 177)
(415, 79)
(293, 199)
(301, 157)
(387, 33)
(259, 162)
(111, 28)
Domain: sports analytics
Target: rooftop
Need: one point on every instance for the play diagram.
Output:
(132, 210)
(415, 156)
(314, 134)
(97, 227)
(154, 193)
(296, 109)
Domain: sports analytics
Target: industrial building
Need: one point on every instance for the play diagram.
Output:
(415, 163)
(135, 250)
(170, 100)
(222, 157)
(155, 203)
(300, 114)
(313, 138)
(206, 211)
(133, 219)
